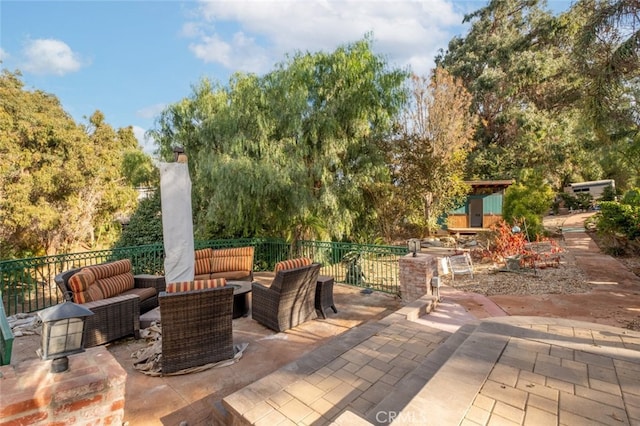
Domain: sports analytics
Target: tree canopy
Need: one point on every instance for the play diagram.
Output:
(293, 153)
(61, 184)
(430, 150)
(340, 145)
(527, 71)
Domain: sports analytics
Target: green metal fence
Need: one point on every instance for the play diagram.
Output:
(28, 285)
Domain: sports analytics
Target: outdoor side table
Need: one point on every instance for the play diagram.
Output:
(324, 295)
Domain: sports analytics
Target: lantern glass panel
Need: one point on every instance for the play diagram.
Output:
(65, 336)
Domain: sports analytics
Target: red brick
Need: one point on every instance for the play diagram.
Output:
(29, 419)
(69, 421)
(113, 420)
(19, 402)
(77, 405)
(78, 387)
(117, 405)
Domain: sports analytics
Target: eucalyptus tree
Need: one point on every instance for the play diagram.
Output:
(293, 153)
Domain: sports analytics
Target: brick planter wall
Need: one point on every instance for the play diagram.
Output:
(90, 392)
(415, 275)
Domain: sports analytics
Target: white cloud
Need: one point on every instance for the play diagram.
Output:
(240, 52)
(407, 32)
(150, 111)
(3, 54)
(49, 56)
(192, 29)
(147, 143)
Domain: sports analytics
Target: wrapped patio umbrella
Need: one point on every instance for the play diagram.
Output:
(177, 220)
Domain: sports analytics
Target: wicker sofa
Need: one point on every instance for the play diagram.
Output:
(289, 300)
(229, 263)
(114, 295)
(196, 324)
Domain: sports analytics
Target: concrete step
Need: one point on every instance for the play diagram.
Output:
(412, 383)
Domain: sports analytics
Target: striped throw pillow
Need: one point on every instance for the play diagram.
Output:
(106, 270)
(195, 285)
(84, 288)
(292, 263)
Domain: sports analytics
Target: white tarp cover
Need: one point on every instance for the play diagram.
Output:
(177, 222)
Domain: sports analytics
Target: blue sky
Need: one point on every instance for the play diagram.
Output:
(129, 59)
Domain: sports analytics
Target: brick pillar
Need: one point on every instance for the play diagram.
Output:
(90, 392)
(415, 275)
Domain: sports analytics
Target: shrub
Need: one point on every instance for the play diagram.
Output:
(618, 223)
(527, 202)
(145, 225)
(621, 219)
(581, 201)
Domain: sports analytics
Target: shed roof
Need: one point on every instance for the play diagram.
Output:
(500, 183)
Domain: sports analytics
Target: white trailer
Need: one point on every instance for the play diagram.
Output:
(595, 188)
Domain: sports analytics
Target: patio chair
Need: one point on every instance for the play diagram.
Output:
(460, 264)
(196, 327)
(289, 301)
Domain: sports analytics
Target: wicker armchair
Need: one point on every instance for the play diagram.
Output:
(196, 328)
(289, 300)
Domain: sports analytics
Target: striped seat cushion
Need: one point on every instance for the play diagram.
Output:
(84, 288)
(203, 261)
(232, 259)
(195, 285)
(113, 278)
(116, 285)
(292, 263)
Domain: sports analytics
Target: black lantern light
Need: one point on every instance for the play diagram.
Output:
(414, 246)
(62, 333)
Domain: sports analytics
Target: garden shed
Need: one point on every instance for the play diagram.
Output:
(481, 208)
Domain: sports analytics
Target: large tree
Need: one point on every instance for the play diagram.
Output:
(516, 62)
(60, 186)
(294, 153)
(431, 148)
(607, 53)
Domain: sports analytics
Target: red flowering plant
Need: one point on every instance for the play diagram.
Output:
(504, 243)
